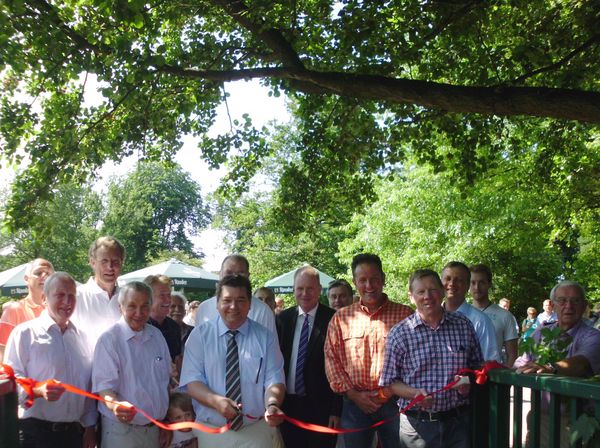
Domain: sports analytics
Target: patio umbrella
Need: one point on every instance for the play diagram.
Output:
(12, 282)
(284, 284)
(183, 275)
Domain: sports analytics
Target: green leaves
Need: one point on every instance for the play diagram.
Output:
(156, 208)
(551, 347)
(159, 67)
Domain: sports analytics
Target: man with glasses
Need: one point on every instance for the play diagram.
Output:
(97, 300)
(583, 353)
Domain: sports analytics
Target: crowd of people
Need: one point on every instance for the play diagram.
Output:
(240, 359)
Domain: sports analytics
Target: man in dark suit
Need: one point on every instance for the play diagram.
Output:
(302, 330)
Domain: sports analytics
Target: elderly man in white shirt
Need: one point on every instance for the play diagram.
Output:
(52, 347)
(132, 367)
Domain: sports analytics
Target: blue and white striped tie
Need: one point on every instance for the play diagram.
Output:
(302, 346)
(233, 388)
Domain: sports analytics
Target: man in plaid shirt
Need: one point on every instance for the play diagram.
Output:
(354, 355)
(423, 353)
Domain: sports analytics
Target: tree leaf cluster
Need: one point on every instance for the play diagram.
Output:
(551, 347)
(156, 207)
(154, 211)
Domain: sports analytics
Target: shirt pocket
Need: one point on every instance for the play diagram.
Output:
(354, 343)
(252, 369)
(456, 357)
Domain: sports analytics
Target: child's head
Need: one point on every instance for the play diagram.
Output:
(180, 409)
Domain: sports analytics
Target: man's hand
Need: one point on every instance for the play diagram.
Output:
(533, 368)
(226, 407)
(427, 402)
(50, 390)
(463, 386)
(366, 401)
(273, 415)
(124, 411)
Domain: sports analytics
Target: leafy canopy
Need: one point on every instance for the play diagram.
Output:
(448, 80)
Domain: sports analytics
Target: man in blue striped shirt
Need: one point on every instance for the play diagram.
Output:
(423, 353)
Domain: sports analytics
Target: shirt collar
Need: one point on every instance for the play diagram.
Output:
(312, 313)
(222, 328)
(416, 320)
(95, 288)
(464, 307)
(47, 322)
(575, 328)
(128, 333)
(29, 303)
(383, 305)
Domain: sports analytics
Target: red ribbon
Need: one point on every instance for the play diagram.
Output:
(481, 376)
(28, 384)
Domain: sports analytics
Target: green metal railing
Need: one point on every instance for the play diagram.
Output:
(8, 414)
(492, 406)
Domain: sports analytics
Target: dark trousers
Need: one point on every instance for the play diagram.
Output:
(35, 433)
(302, 408)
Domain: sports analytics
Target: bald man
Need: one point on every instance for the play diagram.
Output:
(32, 305)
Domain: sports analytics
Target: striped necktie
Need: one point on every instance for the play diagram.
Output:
(233, 388)
(302, 346)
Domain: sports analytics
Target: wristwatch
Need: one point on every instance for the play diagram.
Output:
(553, 367)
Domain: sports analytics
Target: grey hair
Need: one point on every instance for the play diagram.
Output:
(180, 295)
(568, 283)
(53, 278)
(134, 287)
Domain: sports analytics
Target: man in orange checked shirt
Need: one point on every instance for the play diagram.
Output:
(31, 306)
(354, 351)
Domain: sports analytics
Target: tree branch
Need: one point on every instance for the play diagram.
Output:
(580, 49)
(272, 37)
(566, 104)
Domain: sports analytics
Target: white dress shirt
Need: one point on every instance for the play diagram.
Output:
(137, 366)
(95, 311)
(38, 349)
(291, 375)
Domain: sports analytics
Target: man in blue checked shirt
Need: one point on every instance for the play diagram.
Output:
(423, 353)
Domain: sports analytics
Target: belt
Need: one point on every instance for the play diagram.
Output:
(437, 416)
(56, 426)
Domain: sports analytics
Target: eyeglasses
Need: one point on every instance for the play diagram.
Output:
(562, 301)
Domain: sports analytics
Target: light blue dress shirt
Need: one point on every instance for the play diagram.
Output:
(486, 333)
(261, 365)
